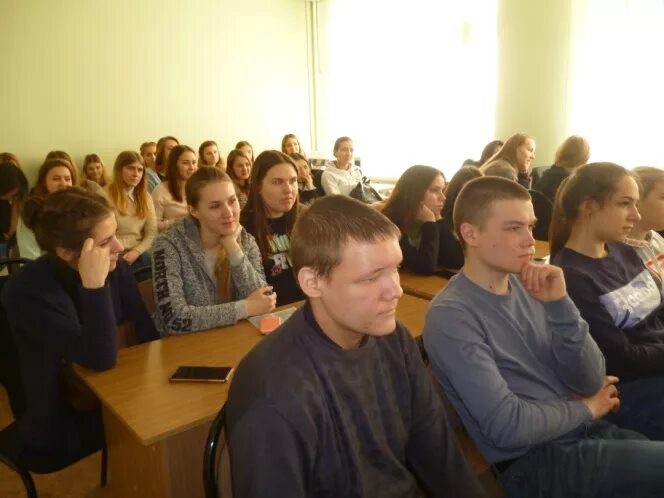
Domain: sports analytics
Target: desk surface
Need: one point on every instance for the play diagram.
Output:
(427, 286)
(138, 392)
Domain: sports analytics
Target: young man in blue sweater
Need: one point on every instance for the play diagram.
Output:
(337, 402)
(516, 360)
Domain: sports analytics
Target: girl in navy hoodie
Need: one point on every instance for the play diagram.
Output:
(78, 303)
(595, 209)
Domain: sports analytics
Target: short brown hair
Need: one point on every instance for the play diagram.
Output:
(648, 177)
(145, 145)
(322, 231)
(474, 203)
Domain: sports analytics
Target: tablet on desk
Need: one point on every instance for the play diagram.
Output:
(201, 374)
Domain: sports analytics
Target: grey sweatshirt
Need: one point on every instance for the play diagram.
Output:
(510, 364)
(186, 295)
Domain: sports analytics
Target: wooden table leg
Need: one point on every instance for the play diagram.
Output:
(171, 468)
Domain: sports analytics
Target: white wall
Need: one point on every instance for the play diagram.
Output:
(98, 76)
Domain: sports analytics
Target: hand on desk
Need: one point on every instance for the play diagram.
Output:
(261, 301)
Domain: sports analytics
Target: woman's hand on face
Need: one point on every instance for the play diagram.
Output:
(425, 214)
(93, 264)
(231, 242)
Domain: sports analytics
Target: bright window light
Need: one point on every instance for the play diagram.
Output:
(617, 82)
(410, 82)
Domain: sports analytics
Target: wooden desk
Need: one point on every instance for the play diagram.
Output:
(156, 430)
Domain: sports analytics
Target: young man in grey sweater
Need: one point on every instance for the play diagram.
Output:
(516, 360)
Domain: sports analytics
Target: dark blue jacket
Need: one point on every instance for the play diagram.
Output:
(56, 322)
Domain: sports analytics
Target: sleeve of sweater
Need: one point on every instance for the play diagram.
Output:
(329, 183)
(456, 345)
(247, 273)
(578, 361)
(149, 229)
(176, 314)
(624, 359)
(281, 471)
(423, 259)
(89, 338)
(159, 198)
(432, 449)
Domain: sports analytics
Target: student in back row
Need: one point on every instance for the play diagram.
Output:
(516, 360)
(270, 215)
(169, 200)
(341, 176)
(338, 402)
(415, 207)
(76, 304)
(134, 209)
(207, 269)
(596, 208)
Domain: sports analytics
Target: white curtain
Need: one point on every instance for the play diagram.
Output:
(410, 82)
(617, 79)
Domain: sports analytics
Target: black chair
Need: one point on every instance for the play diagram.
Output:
(213, 449)
(537, 172)
(316, 176)
(11, 378)
(543, 211)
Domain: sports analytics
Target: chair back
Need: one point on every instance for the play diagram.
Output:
(543, 211)
(10, 367)
(146, 288)
(316, 176)
(216, 462)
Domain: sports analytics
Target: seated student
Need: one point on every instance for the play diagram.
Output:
(415, 207)
(451, 252)
(246, 148)
(149, 155)
(170, 204)
(291, 145)
(644, 237)
(238, 167)
(94, 170)
(515, 359)
(338, 402)
(88, 185)
(341, 176)
(501, 168)
(615, 293)
(571, 154)
(164, 147)
(134, 210)
(269, 216)
(519, 151)
(54, 175)
(489, 151)
(13, 192)
(208, 154)
(76, 304)
(207, 269)
(305, 183)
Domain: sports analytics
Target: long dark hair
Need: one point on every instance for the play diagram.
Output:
(174, 180)
(403, 203)
(253, 216)
(594, 181)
